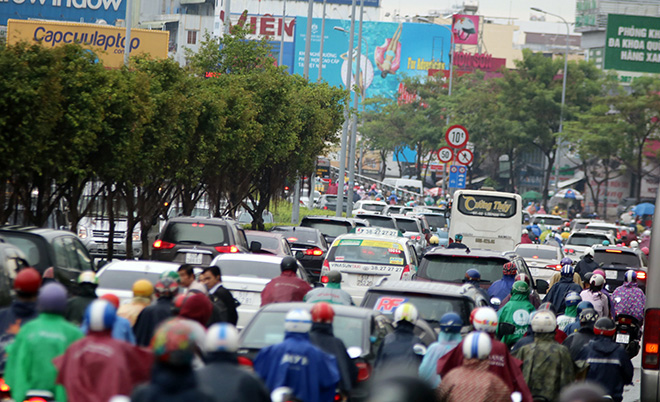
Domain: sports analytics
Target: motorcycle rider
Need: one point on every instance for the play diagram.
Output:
(574, 327)
(143, 290)
(629, 298)
(402, 348)
(577, 340)
(473, 277)
(76, 306)
(287, 287)
(448, 338)
(533, 297)
(149, 319)
(557, 293)
(570, 314)
(586, 264)
(501, 288)
(516, 312)
(121, 329)
(595, 296)
(331, 292)
(458, 242)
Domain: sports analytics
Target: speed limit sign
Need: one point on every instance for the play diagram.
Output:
(445, 154)
(457, 136)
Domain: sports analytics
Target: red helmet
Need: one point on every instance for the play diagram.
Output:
(322, 312)
(605, 326)
(112, 299)
(523, 277)
(28, 280)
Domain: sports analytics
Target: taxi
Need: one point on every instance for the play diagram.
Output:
(368, 254)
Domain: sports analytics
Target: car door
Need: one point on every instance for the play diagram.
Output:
(67, 263)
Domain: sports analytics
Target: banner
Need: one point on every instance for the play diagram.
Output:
(466, 29)
(90, 11)
(632, 43)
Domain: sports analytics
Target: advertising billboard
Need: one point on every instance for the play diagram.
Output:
(466, 29)
(91, 11)
(632, 43)
(108, 42)
(367, 3)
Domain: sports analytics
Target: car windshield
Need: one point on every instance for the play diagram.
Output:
(552, 221)
(580, 225)
(329, 227)
(394, 209)
(585, 239)
(430, 307)
(408, 225)
(612, 231)
(267, 328)
(436, 221)
(298, 236)
(124, 280)
(448, 268)
(250, 269)
(617, 258)
(381, 222)
(267, 242)
(368, 252)
(373, 207)
(330, 199)
(195, 233)
(542, 253)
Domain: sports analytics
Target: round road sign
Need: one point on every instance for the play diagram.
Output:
(445, 154)
(456, 136)
(464, 157)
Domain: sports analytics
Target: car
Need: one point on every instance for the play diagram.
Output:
(329, 202)
(432, 299)
(450, 265)
(359, 222)
(12, 260)
(552, 222)
(330, 226)
(118, 277)
(46, 248)
(308, 246)
(393, 209)
(615, 261)
(580, 223)
(246, 275)
(412, 228)
(579, 241)
(271, 242)
(543, 260)
(381, 221)
(244, 217)
(620, 233)
(438, 225)
(368, 207)
(197, 240)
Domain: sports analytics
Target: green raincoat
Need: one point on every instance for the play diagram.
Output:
(517, 312)
(30, 357)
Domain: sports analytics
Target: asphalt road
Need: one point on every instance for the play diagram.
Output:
(631, 392)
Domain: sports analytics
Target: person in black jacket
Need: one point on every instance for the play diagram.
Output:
(557, 293)
(153, 315)
(578, 340)
(211, 277)
(586, 264)
(222, 376)
(86, 294)
(402, 349)
(322, 336)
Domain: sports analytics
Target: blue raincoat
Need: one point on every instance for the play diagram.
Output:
(429, 367)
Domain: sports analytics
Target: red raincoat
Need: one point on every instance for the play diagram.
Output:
(98, 367)
(285, 288)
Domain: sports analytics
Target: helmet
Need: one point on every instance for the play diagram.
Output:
(547, 306)
(406, 312)
(52, 298)
(485, 319)
(170, 274)
(509, 268)
(572, 299)
(472, 275)
(525, 231)
(451, 322)
(88, 277)
(606, 242)
(645, 250)
(585, 304)
(334, 276)
(298, 320)
(605, 326)
(566, 260)
(634, 244)
(477, 345)
(520, 287)
(597, 280)
(221, 337)
(525, 278)
(289, 264)
(28, 281)
(110, 298)
(458, 237)
(166, 287)
(100, 315)
(322, 312)
(178, 302)
(434, 240)
(589, 251)
(567, 270)
(588, 315)
(544, 322)
(174, 343)
(143, 288)
(630, 276)
(599, 272)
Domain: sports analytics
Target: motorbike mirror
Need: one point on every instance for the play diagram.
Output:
(495, 301)
(504, 328)
(419, 349)
(299, 255)
(354, 352)
(282, 394)
(542, 285)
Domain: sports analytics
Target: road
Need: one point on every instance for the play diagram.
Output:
(631, 392)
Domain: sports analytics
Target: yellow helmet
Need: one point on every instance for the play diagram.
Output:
(434, 239)
(143, 288)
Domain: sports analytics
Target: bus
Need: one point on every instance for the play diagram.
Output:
(487, 219)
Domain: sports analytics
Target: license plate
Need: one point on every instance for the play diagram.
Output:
(194, 258)
(245, 298)
(609, 274)
(622, 338)
(365, 280)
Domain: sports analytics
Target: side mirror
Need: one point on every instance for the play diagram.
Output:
(255, 247)
(504, 328)
(299, 255)
(542, 286)
(495, 302)
(425, 231)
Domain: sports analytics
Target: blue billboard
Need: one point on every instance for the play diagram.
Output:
(89, 11)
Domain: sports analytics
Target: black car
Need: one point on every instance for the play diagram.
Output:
(197, 240)
(329, 202)
(308, 245)
(330, 226)
(381, 221)
(615, 261)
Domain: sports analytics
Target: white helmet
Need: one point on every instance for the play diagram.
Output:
(485, 319)
(597, 280)
(634, 244)
(406, 312)
(589, 251)
(544, 322)
(221, 337)
(298, 320)
(477, 345)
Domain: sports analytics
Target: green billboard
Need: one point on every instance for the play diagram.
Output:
(633, 43)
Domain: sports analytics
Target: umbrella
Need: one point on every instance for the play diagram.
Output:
(569, 193)
(645, 208)
(531, 196)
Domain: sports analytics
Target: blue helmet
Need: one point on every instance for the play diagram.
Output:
(451, 322)
(567, 270)
(572, 299)
(566, 260)
(583, 305)
(100, 315)
(630, 276)
(472, 275)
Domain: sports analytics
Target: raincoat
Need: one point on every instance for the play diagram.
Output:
(98, 367)
(76, 306)
(397, 349)
(599, 300)
(473, 382)
(557, 293)
(331, 293)
(632, 301)
(547, 366)
(569, 317)
(149, 319)
(295, 363)
(609, 365)
(121, 330)
(516, 312)
(223, 378)
(586, 264)
(322, 336)
(285, 288)
(132, 309)
(29, 362)
(171, 384)
(428, 370)
(501, 288)
(578, 340)
(12, 319)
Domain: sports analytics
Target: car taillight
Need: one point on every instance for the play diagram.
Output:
(35, 399)
(406, 269)
(325, 207)
(226, 249)
(364, 371)
(314, 251)
(555, 267)
(163, 245)
(651, 341)
(3, 386)
(641, 275)
(569, 250)
(326, 264)
(324, 279)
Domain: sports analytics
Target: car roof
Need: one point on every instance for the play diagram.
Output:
(205, 219)
(400, 239)
(372, 202)
(351, 311)
(433, 288)
(141, 266)
(592, 232)
(326, 218)
(261, 233)
(546, 216)
(461, 252)
(537, 246)
(404, 217)
(264, 258)
(377, 216)
(603, 224)
(284, 228)
(44, 232)
(626, 250)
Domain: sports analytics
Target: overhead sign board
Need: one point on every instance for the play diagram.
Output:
(90, 11)
(457, 136)
(632, 43)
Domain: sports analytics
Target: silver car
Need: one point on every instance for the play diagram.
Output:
(543, 260)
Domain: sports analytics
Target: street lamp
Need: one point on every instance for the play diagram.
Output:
(563, 93)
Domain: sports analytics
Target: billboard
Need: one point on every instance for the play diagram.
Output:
(465, 29)
(367, 3)
(632, 43)
(108, 42)
(91, 11)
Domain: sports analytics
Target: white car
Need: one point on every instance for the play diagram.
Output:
(552, 222)
(118, 277)
(581, 240)
(368, 207)
(543, 260)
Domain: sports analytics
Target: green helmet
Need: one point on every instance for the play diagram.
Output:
(173, 275)
(88, 277)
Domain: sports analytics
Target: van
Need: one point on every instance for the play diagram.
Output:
(414, 186)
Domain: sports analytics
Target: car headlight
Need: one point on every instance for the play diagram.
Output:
(82, 232)
(137, 235)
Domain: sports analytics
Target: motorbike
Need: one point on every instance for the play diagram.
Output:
(628, 333)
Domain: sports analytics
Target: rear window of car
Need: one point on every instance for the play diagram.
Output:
(124, 280)
(381, 222)
(267, 242)
(298, 236)
(373, 207)
(380, 252)
(617, 259)
(447, 268)
(250, 269)
(436, 221)
(545, 254)
(549, 221)
(430, 307)
(30, 246)
(328, 227)
(331, 199)
(195, 233)
(408, 225)
(608, 229)
(586, 239)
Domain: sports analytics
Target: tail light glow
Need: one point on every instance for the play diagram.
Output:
(406, 269)
(314, 251)
(3, 386)
(651, 340)
(641, 275)
(163, 245)
(364, 371)
(226, 249)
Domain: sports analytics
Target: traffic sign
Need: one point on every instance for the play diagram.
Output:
(464, 157)
(457, 175)
(445, 154)
(456, 136)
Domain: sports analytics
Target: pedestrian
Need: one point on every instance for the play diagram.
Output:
(547, 365)
(121, 329)
(30, 357)
(557, 293)
(578, 340)
(586, 264)
(501, 288)
(322, 336)
(448, 338)
(151, 316)
(458, 242)
(570, 314)
(222, 376)
(97, 367)
(533, 297)
(596, 297)
(331, 292)
(402, 348)
(472, 381)
(86, 293)
(143, 291)
(287, 287)
(296, 363)
(186, 277)
(609, 364)
(574, 327)
(211, 277)
(172, 375)
(516, 312)
(629, 299)
(21, 311)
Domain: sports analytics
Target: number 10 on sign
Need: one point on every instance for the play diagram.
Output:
(456, 136)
